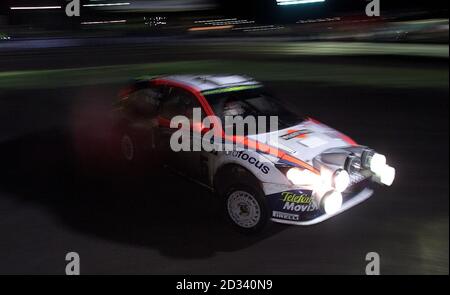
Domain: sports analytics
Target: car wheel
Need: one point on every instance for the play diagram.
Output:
(246, 208)
(129, 149)
(134, 154)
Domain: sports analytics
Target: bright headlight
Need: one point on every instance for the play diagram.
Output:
(302, 177)
(377, 163)
(387, 175)
(332, 202)
(341, 180)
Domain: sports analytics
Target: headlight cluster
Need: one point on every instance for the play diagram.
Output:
(302, 177)
(377, 164)
(332, 202)
(329, 185)
(330, 190)
(341, 180)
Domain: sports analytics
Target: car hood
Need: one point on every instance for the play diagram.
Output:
(305, 141)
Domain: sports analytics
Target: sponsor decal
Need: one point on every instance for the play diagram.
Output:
(286, 216)
(296, 198)
(298, 202)
(252, 160)
(303, 133)
(300, 208)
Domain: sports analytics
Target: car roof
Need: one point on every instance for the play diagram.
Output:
(211, 82)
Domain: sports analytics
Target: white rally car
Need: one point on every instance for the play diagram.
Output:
(310, 174)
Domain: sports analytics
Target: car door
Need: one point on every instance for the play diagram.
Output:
(178, 102)
(142, 108)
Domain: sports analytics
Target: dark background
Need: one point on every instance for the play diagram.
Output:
(267, 9)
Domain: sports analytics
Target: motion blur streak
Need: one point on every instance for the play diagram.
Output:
(210, 28)
(106, 4)
(293, 2)
(35, 7)
(105, 22)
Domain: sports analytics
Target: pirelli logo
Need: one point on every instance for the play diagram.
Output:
(285, 216)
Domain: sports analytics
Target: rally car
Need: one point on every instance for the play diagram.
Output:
(309, 174)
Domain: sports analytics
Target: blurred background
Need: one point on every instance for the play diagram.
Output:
(381, 80)
(307, 20)
(154, 30)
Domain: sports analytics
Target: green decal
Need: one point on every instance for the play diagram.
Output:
(230, 89)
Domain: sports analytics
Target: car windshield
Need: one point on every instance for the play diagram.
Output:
(250, 102)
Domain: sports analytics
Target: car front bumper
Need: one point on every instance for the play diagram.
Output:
(351, 200)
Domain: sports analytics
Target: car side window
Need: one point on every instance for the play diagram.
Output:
(145, 102)
(178, 103)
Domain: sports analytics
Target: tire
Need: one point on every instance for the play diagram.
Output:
(129, 150)
(134, 153)
(245, 206)
(128, 147)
